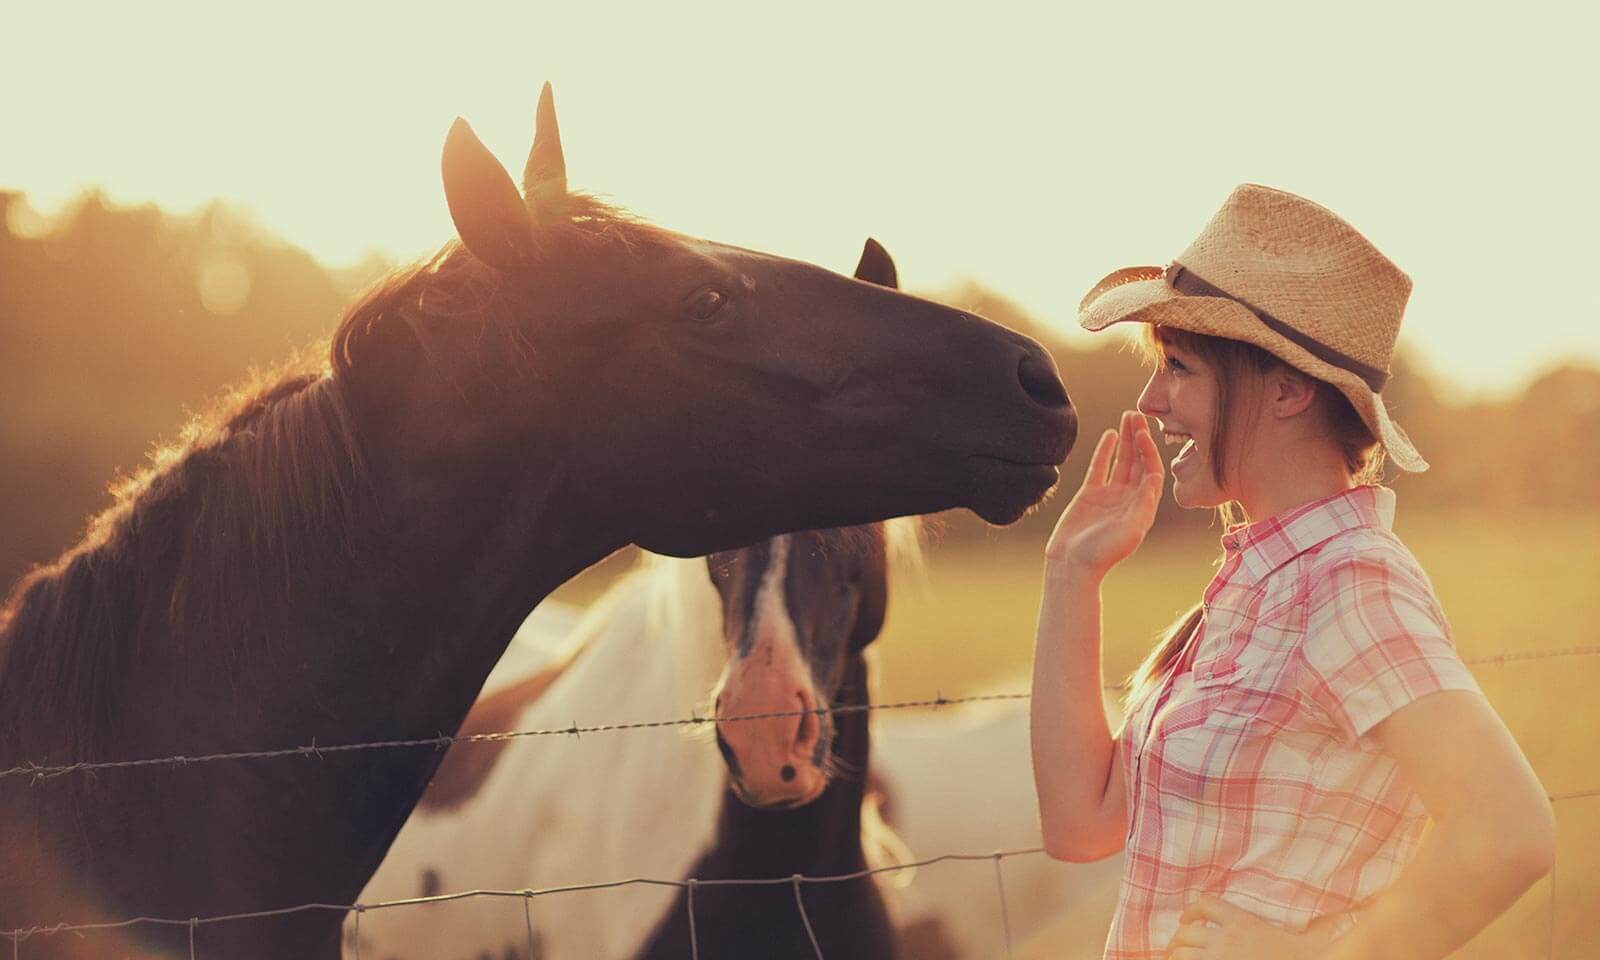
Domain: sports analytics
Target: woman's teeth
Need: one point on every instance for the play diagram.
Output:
(1183, 438)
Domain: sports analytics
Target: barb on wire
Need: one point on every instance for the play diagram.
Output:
(45, 772)
(193, 922)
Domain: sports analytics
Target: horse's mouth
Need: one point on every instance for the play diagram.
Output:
(1008, 488)
(782, 803)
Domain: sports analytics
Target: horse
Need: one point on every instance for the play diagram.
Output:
(650, 648)
(798, 614)
(341, 552)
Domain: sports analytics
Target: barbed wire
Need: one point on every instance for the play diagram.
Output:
(22, 934)
(45, 772)
(39, 771)
(1510, 656)
(689, 885)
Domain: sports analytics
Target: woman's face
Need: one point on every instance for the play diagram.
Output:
(1182, 397)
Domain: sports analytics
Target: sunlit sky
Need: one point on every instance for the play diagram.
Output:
(1033, 148)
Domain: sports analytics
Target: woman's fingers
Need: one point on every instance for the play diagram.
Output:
(1149, 453)
(1100, 463)
(1126, 452)
(1193, 935)
(1216, 910)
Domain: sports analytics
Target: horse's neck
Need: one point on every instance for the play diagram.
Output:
(824, 836)
(389, 634)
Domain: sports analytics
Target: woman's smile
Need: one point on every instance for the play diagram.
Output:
(1188, 447)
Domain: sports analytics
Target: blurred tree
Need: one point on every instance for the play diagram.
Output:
(114, 323)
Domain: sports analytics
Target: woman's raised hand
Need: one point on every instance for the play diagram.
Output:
(1113, 510)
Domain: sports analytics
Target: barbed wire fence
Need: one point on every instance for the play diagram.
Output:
(37, 772)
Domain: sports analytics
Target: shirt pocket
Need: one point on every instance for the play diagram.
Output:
(1217, 734)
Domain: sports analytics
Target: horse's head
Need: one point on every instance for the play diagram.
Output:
(795, 609)
(703, 395)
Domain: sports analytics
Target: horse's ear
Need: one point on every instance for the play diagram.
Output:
(489, 214)
(877, 266)
(544, 179)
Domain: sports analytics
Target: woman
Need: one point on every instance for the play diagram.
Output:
(1288, 740)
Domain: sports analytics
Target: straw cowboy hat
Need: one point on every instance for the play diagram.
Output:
(1289, 276)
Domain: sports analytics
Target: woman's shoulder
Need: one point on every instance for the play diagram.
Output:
(1364, 554)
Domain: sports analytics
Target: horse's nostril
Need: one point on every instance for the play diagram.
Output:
(787, 773)
(1039, 380)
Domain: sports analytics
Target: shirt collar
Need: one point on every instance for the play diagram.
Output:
(1265, 545)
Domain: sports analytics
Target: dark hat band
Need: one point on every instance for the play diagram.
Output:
(1183, 280)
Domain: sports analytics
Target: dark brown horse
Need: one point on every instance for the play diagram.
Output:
(341, 554)
(798, 612)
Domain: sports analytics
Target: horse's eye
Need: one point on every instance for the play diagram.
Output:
(706, 304)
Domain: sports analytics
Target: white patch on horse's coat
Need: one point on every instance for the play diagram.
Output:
(578, 810)
(773, 625)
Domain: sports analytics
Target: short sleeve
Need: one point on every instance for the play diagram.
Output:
(1376, 641)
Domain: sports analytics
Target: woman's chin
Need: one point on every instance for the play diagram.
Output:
(1195, 496)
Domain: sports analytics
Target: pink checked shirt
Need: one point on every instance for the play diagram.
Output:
(1250, 774)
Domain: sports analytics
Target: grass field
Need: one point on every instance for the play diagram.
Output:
(1508, 584)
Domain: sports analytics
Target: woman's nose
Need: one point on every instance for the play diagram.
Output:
(1153, 400)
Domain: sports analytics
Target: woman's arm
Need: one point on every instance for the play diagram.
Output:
(1493, 836)
(1076, 771)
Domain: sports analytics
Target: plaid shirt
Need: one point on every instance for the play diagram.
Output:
(1250, 774)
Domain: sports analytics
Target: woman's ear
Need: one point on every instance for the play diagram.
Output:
(1290, 392)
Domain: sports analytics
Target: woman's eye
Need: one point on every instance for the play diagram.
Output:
(1175, 364)
(706, 305)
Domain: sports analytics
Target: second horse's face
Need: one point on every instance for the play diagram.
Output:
(795, 609)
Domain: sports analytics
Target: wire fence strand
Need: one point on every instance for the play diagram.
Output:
(805, 918)
(794, 879)
(527, 919)
(41, 771)
(694, 938)
(1005, 908)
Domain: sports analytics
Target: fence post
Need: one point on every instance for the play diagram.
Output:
(1005, 910)
(694, 938)
(804, 917)
(527, 917)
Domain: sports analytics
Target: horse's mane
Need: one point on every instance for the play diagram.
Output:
(252, 486)
(206, 539)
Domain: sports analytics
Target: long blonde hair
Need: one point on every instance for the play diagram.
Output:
(1235, 362)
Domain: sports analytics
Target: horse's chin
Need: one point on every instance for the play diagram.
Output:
(779, 801)
(1007, 491)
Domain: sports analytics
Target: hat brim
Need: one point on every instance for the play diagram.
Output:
(1142, 295)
